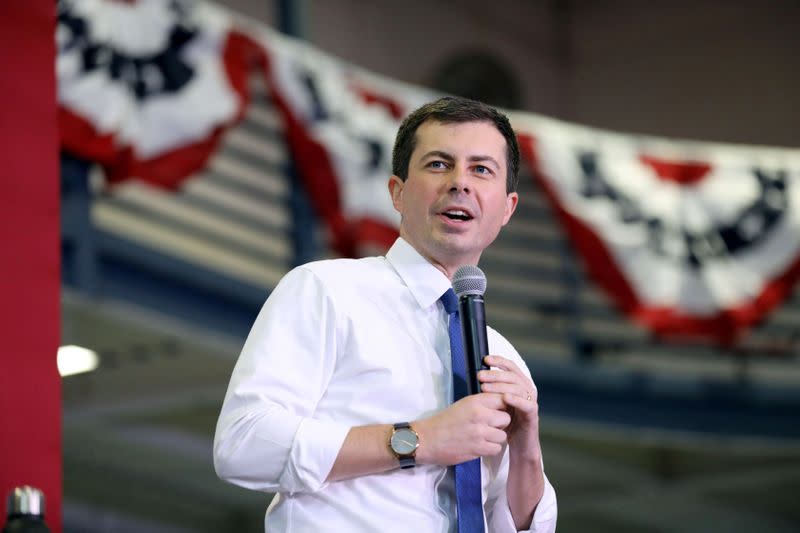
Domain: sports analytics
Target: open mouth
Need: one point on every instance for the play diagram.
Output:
(457, 214)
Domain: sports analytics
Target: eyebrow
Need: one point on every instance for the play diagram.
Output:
(449, 157)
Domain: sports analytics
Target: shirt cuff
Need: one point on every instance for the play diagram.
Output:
(546, 514)
(314, 450)
(544, 517)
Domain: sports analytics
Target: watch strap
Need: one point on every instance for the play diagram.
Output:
(407, 461)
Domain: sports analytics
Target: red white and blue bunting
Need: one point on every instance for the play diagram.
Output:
(689, 239)
(146, 87)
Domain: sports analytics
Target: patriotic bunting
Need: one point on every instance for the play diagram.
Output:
(146, 87)
(689, 239)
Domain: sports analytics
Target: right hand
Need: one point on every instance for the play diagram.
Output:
(472, 427)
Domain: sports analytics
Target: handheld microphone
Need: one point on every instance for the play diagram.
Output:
(469, 284)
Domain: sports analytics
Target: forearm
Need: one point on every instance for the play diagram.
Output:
(524, 488)
(465, 430)
(365, 451)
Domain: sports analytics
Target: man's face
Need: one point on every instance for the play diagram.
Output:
(454, 201)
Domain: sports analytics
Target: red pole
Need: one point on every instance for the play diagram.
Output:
(30, 387)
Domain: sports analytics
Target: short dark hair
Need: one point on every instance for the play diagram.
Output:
(454, 110)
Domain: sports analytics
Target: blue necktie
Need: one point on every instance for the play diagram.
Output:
(468, 475)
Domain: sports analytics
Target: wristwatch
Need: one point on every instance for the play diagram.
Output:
(404, 443)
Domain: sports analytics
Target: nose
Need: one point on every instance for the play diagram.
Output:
(457, 180)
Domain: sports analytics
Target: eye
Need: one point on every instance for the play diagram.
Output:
(437, 164)
(480, 169)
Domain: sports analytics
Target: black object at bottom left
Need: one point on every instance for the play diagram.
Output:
(25, 511)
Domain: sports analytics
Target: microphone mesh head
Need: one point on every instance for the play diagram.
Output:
(469, 280)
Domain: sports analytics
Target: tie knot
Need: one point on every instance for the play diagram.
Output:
(450, 301)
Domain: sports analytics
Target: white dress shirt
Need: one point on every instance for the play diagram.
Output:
(343, 343)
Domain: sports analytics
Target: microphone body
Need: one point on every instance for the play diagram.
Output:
(473, 331)
(469, 284)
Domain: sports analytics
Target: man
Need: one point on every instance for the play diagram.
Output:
(346, 375)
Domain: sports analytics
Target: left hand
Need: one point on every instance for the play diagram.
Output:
(521, 398)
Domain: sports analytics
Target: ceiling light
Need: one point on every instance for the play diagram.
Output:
(76, 360)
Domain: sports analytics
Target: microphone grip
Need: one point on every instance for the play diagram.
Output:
(473, 331)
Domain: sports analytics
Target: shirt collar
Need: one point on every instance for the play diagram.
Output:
(426, 282)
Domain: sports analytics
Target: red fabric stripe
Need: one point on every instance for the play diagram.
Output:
(30, 387)
(682, 172)
(371, 97)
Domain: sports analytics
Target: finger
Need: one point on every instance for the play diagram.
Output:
(507, 371)
(489, 449)
(495, 436)
(529, 407)
(524, 390)
(490, 400)
(505, 388)
(498, 381)
(501, 362)
(502, 376)
(499, 419)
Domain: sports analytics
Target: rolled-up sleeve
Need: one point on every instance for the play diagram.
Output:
(498, 513)
(266, 437)
(499, 517)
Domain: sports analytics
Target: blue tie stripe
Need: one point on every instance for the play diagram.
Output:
(468, 474)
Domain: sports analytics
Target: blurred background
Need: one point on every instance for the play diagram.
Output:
(639, 433)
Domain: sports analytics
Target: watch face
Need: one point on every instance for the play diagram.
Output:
(404, 441)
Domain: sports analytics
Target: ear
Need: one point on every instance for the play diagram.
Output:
(396, 191)
(511, 205)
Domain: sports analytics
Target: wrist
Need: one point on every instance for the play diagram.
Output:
(517, 456)
(525, 451)
(422, 454)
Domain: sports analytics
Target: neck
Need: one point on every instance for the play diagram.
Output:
(447, 265)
